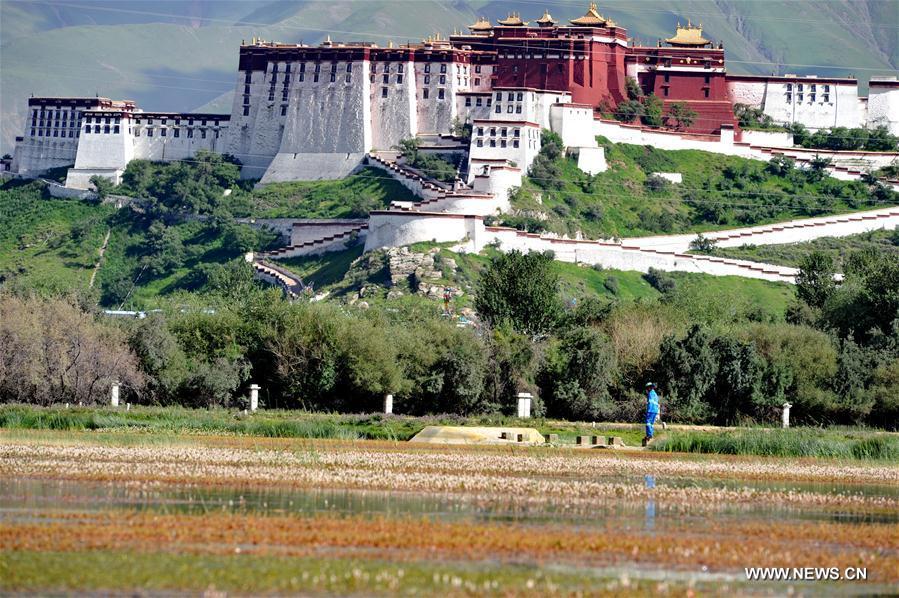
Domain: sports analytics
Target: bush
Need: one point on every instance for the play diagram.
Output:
(660, 281)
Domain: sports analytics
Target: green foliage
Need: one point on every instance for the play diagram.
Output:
(878, 139)
(634, 91)
(652, 111)
(680, 116)
(815, 280)
(520, 289)
(702, 244)
(102, 186)
(749, 117)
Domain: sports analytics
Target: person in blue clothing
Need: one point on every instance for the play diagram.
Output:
(652, 411)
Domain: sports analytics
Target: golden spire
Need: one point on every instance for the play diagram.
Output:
(591, 19)
(546, 20)
(513, 20)
(688, 36)
(482, 25)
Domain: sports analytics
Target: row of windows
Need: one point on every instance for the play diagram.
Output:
(59, 111)
(502, 143)
(56, 124)
(385, 68)
(502, 131)
(478, 101)
(666, 91)
(813, 87)
(37, 132)
(812, 97)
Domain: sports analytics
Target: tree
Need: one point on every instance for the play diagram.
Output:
(629, 110)
(634, 91)
(652, 111)
(102, 186)
(703, 244)
(408, 148)
(815, 281)
(682, 115)
(520, 289)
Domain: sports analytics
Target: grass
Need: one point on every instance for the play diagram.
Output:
(274, 423)
(796, 442)
(791, 254)
(46, 243)
(351, 197)
(718, 191)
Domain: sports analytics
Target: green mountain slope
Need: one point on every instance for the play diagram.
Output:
(181, 55)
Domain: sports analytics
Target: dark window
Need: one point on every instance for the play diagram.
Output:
(315, 78)
(348, 78)
(708, 79)
(271, 95)
(493, 132)
(518, 109)
(283, 110)
(32, 132)
(383, 92)
(149, 132)
(386, 79)
(499, 109)
(667, 78)
(399, 79)
(503, 143)
(514, 143)
(427, 79)
(665, 91)
(442, 79)
(477, 68)
(246, 110)
(333, 77)
(399, 67)
(302, 77)
(137, 132)
(302, 67)
(424, 93)
(190, 133)
(349, 67)
(318, 68)
(478, 101)
(493, 143)
(442, 68)
(106, 128)
(333, 67)
(162, 132)
(176, 132)
(440, 94)
(480, 143)
(477, 81)
(519, 96)
(481, 131)
(115, 129)
(202, 133)
(427, 68)
(705, 93)
(468, 101)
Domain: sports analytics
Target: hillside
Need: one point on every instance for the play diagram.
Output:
(182, 55)
(717, 192)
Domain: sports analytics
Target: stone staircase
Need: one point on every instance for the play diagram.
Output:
(324, 244)
(291, 284)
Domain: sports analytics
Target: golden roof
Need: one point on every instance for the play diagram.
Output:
(688, 36)
(482, 25)
(513, 20)
(546, 20)
(591, 19)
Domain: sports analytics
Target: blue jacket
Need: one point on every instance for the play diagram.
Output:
(652, 402)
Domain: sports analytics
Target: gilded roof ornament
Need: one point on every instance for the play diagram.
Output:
(546, 20)
(688, 36)
(482, 25)
(513, 20)
(591, 19)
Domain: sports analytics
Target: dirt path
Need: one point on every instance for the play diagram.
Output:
(100, 259)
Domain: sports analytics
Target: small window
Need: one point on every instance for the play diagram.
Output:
(509, 97)
(477, 68)
(106, 129)
(515, 143)
(503, 143)
(283, 110)
(137, 132)
(202, 133)
(318, 67)
(667, 78)
(468, 102)
(386, 79)
(149, 132)
(705, 93)
(708, 79)
(489, 101)
(664, 91)
(441, 93)
(480, 143)
(315, 78)
(518, 109)
(503, 132)
(333, 77)
(493, 131)
(427, 79)
(246, 110)
(383, 92)
(302, 77)
(333, 67)
(386, 67)
(517, 132)
(493, 143)
(811, 97)
(443, 79)
(176, 132)
(789, 98)
(442, 68)
(190, 133)
(477, 81)
(478, 101)
(825, 97)
(349, 67)
(399, 79)
(499, 109)
(499, 96)
(519, 96)
(348, 78)
(427, 68)
(480, 131)
(399, 68)
(162, 132)
(510, 109)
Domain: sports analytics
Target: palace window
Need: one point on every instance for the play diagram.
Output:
(428, 68)
(302, 77)
(519, 96)
(202, 133)
(515, 143)
(284, 95)
(32, 133)
(493, 131)
(509, 97)
(427, 79)
(333, 67)
(478, 101)
(162, 132)
(443, 79)
(811, 97)
(499, 96)
(190, 133)
(442, 68)
(489, 101)
(149, 132)
(503, 132)
(318, 67)
(333, 77)
(499, 109)
(468, 102)
(246, 90)
(503, 143)
(667, 78)
(349, 67)
(386, 79)
(283, 110)
(106, 129)
(480, 131)
(246, 110)
(383, 92)
(518, 109)
(271, 95)
(517, 132)
(287, 68)
(509, 109)
(705, 93)
(348, 78)
(493, 143)
(399, 79)
(477, 81)
(480, 143)
(424, 93)
(665, 91)
(477, 68)
(441, 93)
(248, 78)
(302, 67)
(708, 79)
(136, 132)
(800, 97)
(315, 78)
(175, 132)
(399, 68)
(789, 98)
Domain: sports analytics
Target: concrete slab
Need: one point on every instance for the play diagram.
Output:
(478, 435)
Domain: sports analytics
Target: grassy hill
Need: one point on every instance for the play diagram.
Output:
(182, 55)
(791, 254)
(718, 191)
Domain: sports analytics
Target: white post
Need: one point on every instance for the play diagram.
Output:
(388, 404)
(524, 404)
(785, 416)
(254, 397)
(114, 401)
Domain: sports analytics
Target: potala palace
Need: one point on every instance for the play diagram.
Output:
(305, 112)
